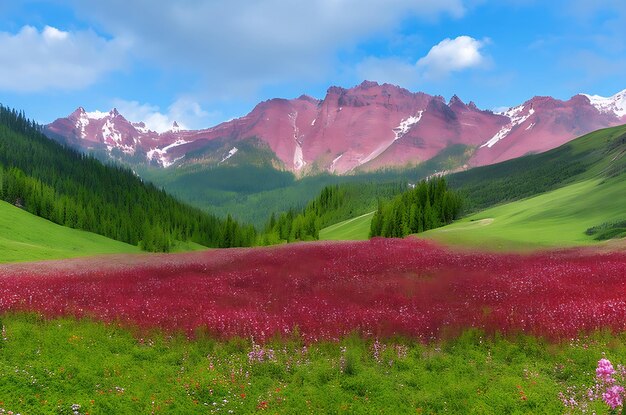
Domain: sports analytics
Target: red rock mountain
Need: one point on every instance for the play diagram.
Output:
(369, 126)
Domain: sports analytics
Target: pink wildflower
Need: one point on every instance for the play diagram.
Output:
(605, 370)
(613, 396)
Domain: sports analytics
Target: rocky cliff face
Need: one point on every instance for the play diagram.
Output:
(369, 126)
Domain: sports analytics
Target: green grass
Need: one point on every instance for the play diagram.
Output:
(187, 246)
(554, 219)
(352, 229)
(47, 366)
(558, 218)
(542, 200)
(598, 154)
(25, 237)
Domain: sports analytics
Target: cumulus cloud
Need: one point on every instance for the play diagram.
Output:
(449, 55)
(33, 60)
(241, 45)
(452, 55)
(187, 113)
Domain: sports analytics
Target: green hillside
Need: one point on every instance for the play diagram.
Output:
(78, 191)
(556, 218)
(26, 237)
(597, 154)
(544, 200)
(352, 229)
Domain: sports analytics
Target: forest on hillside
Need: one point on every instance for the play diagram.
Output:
(78, 191)
(430, 204)
(334, 204)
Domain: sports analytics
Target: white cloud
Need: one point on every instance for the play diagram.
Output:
(452, 55)
(186, 112)
(449, 55)
(500, 109)
(239, 45)
(33, 60)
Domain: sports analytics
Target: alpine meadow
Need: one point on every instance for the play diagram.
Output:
(312, 207)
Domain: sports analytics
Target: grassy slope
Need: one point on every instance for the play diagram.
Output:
(556, 218)
(352, 229)
(25, 237)
(582, 184)
(47, 366)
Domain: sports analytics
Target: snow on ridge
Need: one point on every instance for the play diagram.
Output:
(142, 129)
(399, 131)
(161, 153)
(81, 124)
(97, 115)
(176, 143)
(515, 118)
(230, 153)
(109, 133)
(406, 124)
(615, 104)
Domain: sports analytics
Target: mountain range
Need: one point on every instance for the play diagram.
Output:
(364, 128)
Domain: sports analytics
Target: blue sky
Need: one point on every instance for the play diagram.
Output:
(203, 62)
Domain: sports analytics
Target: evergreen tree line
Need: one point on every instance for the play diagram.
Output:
(78, 191)
(304, 225)
(430, 204)
(334, 204)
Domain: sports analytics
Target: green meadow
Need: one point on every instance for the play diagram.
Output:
(554, 219)
(26, 237)
(62, 365)
(352, 229)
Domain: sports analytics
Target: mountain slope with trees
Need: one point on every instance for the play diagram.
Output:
(430, 204)
(78, 191)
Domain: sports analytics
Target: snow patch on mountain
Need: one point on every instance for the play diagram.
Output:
(298, 156)
(379, 150)
(228, 155)
(96, 115)
(160, 154)
(335, 160)
(615, 104)
(406, 124)
(516, 117)
(176, 143)
(81, 124)
(141, 127)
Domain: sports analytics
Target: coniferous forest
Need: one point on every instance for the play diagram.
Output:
(430, 204)
(78, 191)
(334, 204)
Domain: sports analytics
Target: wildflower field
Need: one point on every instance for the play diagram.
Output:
(380, 326)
